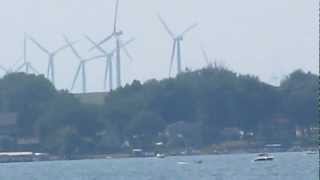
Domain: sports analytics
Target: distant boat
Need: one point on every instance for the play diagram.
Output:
(198, 162)
(182, 163)
(313, 152)
(264, 157)
(137, 153)
(161, 156)
(6, 157)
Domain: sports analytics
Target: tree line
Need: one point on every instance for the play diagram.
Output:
(197, 105)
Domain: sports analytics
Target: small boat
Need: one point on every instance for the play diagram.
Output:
(182, 163)
(198, 162)
(264, 157)
(161, 156)
(7, 157)
(312, 152)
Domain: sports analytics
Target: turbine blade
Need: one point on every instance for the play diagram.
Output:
(93, 58)
(127, 53)
(103, 41)
(95, 45)
(116, 17)
(76, 76)
(34, 69)
(205, 55)
(122, 45)
(72, 48)
(39, 45)
(25, 47)
(189, 29)
(20, 67)
(63, 47)
(127, 42)
(16, 62)
(172, 56)
(165, 26)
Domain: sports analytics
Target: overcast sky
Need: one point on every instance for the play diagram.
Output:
(264, 38)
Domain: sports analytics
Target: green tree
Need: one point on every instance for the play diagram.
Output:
(300, 98)
(82, 122)
(28, 95)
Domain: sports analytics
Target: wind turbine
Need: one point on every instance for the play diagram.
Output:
(177, 39)
(51, 55)
(116, 35)
(81, 66)
(109, 56)
(26, 64)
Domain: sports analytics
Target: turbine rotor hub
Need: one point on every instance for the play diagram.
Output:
(118, 33)
(179, 38)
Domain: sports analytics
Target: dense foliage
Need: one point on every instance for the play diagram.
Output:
(197, 108)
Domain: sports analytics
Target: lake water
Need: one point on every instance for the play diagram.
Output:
(286, 166)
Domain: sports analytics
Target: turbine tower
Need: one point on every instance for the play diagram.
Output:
(26, 65)
(81, 66)
(51, 55)
(116, 34)
(109, 56)
(177, 39)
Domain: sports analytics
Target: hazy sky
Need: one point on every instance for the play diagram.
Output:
(265, 38)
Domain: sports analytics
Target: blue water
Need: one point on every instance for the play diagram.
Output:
(286, 166)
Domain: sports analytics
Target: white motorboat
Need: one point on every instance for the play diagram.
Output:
(161, 156)
(264, 157)
(312, 152)
(182, 163)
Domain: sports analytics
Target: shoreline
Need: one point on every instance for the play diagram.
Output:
(32, 157)
(130, 156)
